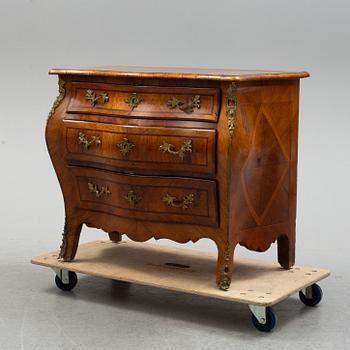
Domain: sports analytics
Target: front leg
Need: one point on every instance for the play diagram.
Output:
(115, 236)
(70, 240)
(224, 265)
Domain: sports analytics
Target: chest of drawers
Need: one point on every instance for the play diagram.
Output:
(181, 154)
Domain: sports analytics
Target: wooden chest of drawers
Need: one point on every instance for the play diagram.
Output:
(182, 154)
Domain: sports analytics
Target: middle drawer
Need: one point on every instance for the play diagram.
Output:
(174, 150)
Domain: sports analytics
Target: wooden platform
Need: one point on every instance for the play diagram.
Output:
(190, 271)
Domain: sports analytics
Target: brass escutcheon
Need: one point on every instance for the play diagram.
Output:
(172, 201)
(125, 146)
(185, 147)
(93, 98)
(133, 100)
(187, 107)
(132, 197)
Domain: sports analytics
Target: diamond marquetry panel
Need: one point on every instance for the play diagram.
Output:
(265, 174)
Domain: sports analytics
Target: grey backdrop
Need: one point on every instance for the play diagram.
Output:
(37, 35)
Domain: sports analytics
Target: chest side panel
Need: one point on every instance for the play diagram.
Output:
(265, 158)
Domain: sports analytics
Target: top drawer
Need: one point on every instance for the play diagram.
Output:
(145, 101)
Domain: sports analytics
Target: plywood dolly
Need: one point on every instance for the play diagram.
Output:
(258, 284)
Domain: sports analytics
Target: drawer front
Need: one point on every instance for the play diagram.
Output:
(145, 101)
(150, 198)
(181, 151)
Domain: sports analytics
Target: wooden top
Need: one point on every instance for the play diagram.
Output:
(191, 271)
(182, 73)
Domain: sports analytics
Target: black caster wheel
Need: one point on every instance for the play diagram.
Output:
(271, 321)
(317, 295)
(73, 280)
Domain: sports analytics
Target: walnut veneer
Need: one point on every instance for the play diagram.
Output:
(180, 154)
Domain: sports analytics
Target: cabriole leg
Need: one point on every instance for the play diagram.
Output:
(70, 240)
(224, 265)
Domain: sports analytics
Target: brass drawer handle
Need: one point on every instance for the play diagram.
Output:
(125, 146)
(187, 107)
(132, 197)
(172, 201)
(99, 191)
(185, 147)
(133, 100)
(93, 98)
(83, 140)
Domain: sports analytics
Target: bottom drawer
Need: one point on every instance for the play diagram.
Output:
(150, 198)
